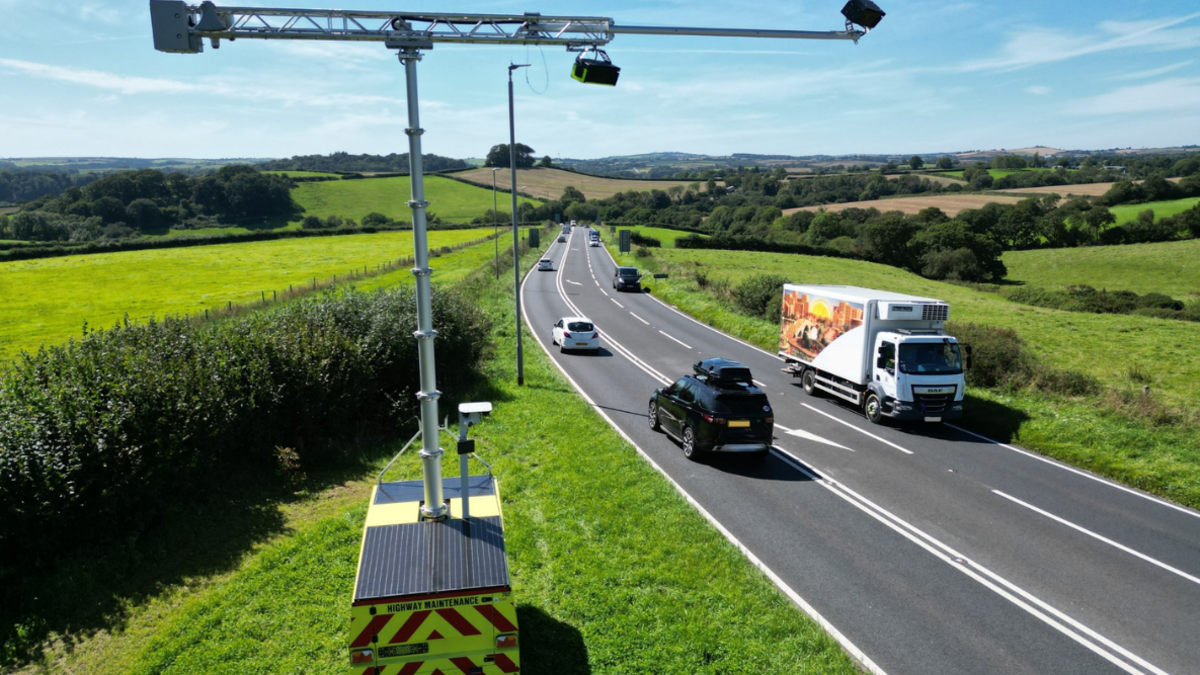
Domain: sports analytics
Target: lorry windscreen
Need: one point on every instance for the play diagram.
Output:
(930, 358)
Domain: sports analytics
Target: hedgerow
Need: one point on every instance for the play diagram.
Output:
(96, 432)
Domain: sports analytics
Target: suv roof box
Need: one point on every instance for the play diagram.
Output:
(723, 370)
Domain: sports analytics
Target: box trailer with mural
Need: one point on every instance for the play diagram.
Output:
(885, 352)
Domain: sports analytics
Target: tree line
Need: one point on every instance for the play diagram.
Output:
(129, 203)
(342, 161)
(18, 185)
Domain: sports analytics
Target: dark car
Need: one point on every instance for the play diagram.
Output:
(627, 279)
(717, 409)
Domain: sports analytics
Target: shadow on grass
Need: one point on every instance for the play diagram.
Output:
(200, 535)
(550, 645)
(994, 420)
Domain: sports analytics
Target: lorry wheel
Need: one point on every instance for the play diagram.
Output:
(689, 445)
(873, 409)
(652, 415)
(809, 382)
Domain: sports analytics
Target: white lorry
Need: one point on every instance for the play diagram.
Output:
(885, 352)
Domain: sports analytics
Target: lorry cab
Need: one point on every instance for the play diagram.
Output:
(918, 375)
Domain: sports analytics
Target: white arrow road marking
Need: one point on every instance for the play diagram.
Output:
(813, 437)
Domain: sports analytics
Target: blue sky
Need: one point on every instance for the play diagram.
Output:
(81, 78)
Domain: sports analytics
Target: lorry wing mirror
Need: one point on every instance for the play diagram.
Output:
(880, 363)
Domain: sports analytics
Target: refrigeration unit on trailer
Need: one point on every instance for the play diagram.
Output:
(886, 352)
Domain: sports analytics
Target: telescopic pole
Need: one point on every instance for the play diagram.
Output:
(431, 455)
(512, 165)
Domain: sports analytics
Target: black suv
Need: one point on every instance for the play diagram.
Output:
(627, 279)
(717, 409)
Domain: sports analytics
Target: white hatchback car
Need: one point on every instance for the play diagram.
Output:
(545, 264)
(575, 332)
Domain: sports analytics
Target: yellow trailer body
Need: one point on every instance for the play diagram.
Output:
(433, 597)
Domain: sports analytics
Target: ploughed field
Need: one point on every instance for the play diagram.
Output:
(48, 300)
(545, 183)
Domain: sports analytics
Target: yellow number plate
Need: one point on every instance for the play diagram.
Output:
(739, 423)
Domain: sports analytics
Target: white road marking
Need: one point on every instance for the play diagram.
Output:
(685, 345)
(758, 384)
(638, 317)
(861, 431)
(813, 437)
(569, 282)
(1085, 474)
(617, 303)
(1100, 537)
(990, 580)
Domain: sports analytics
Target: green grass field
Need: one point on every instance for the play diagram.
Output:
(600, 588)
(451, 200)
(48, 300)
(995, 173)
(1129, 212)
(664, 235)
(305, 174)
(1103, 345)
(1167, 267)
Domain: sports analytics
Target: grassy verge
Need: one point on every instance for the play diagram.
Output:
(1116, 434)
(600, 587)
(49, 299)
(664, 235)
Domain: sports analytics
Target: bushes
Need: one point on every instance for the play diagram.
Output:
(760, 296)
(997, 354)
(643, 240)
(92, 434)
(1088, 299)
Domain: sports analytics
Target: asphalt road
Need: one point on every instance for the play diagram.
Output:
(923, 549)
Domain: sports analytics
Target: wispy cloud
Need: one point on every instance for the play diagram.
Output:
(250, 89)
(1146, 74)
(1037, 46)
(1165, 96)
(1038, 90)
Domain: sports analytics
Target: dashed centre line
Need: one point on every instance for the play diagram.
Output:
(617, 303)
(638, 317)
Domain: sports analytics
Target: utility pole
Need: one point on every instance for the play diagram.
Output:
(512, 164)
(495, 223)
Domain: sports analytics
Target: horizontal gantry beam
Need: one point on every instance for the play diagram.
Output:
(178, 26)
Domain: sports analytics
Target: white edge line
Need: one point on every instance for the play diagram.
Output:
(1100, 537)
(861, 431)
(856, 653)
(639, 318)
(671, 337)
(959, 562)
(1086, 474)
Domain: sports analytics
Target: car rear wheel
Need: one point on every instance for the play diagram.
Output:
(809, 382)
(652, 416)
(873, 409)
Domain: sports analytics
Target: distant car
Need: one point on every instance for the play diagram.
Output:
(594, 242)
(575, 332)
(716, 409)
(545, 265)
(562, 237)
(627, 279)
